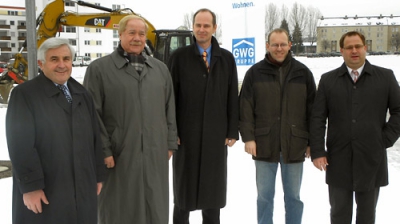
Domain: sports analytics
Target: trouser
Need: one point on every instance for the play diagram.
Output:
(291, 181)
(341, 201)
(210, 216)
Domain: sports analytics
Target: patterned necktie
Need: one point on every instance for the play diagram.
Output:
(355, 75)
(65, 92)
(205, 60)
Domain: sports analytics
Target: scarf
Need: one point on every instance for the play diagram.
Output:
(137, 61)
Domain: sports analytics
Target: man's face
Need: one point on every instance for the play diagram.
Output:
(203, 28)
(133, 39)
(58, 65)
(278, 46)
(353, 51)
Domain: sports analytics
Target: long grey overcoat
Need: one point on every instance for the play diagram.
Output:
(55, 147)
(137, 121)
(207, 114)
(358, 132)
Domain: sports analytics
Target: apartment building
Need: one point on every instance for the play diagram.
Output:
(382, 33)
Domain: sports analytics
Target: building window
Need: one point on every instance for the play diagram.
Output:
(98, 42)
(70, 29)
(99, 55)
(98, 30)
(13, 13)
(115, 33)
(70, 4)
(96, 3)
(87, 54)
(72, 42)
(87, 42)
(86, 30)
(116, 7)
(12, 44)
(12, 23)
(115, 44)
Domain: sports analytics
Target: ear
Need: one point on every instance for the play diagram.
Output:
(40, 63)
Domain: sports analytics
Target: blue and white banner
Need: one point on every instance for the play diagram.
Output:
(244, 32)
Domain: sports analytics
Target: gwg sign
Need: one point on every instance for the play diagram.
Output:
(243, 50)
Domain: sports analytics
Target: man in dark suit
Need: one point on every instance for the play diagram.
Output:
(355, 98)
(54, 144)
(207, 114)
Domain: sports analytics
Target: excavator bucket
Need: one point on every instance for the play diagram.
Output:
(5, 89)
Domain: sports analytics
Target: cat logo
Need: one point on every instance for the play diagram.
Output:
(100, 21)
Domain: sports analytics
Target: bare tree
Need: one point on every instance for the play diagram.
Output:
(271, 17)
(187, 21)
(284, 12)
(298, 15)
(325, 45)
(396, 41)
(314, 14)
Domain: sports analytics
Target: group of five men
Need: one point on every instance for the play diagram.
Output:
(133, 113)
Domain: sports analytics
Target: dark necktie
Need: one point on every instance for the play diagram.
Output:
(355, 75)
(205, 60)
(65, 92)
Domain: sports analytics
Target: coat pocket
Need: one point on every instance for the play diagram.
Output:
(298, 144)
(264, 142)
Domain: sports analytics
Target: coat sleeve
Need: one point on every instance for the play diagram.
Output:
(93, 83)
(311, 91)
(233, 103)
(246, 98)
(170, 112)
(391, 130)
(20, 133)
(318, 121)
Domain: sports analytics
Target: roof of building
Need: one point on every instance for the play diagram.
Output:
(359, 21)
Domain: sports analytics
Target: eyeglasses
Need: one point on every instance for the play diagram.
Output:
(357, 47)
(276, 46)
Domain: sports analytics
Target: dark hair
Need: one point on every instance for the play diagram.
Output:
(349, 34)
(214, 20)
(279, 30)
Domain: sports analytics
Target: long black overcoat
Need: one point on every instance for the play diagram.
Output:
(207, 114)
(358, 129)
(55, 147)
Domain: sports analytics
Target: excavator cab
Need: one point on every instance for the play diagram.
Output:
(167, 41)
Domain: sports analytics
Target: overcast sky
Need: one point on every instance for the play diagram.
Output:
(168, 14)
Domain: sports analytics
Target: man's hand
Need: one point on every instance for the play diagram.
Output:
(307, 155)
(109, 161)
(321, 163)
(33, 200)
(230, 142)
(251, 148)
(99, 187)
(170, 153)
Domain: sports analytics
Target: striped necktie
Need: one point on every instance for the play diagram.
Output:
(205, 60)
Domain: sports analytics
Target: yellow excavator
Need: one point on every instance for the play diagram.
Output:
(161, 43)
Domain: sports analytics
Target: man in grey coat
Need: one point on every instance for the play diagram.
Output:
(355, 99)
(134, 99)
(54, 144)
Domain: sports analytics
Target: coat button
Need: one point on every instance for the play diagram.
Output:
(354, 87)
(354, 121)
(204, 75)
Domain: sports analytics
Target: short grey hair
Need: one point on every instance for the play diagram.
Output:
(52, 43)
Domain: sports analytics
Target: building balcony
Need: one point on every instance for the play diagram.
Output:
(5, 49)
(22, 38)
(5, 27)
(21, 27)
(5, 37)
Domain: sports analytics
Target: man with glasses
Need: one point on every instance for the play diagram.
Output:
(355, 99)
(275, 109)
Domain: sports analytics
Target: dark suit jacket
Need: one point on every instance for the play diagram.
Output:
(55, 147)
(358, 130)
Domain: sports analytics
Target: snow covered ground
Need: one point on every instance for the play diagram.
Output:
(241, 200)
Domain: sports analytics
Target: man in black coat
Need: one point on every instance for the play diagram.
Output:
(54, 144)
(355, 99)
(206, 92)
